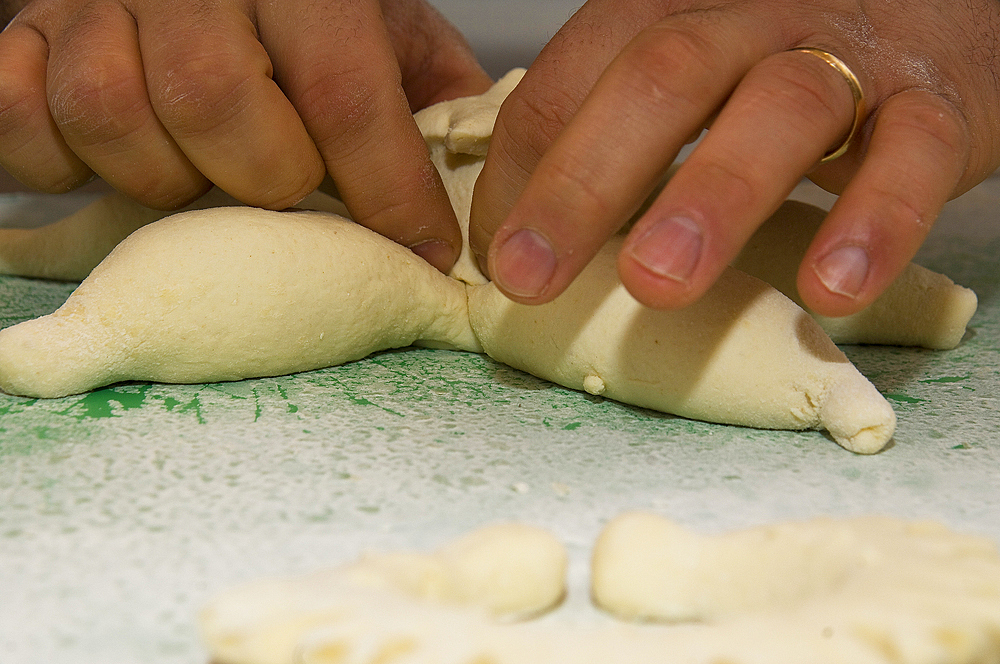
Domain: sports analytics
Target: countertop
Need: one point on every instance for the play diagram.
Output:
(122, 510)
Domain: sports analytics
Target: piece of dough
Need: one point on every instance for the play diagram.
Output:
(743, 354)
(69, 249)
(921, 308)
(236, 292)
(230, 293)
(849, 591)
(458, 134)
(506, 571)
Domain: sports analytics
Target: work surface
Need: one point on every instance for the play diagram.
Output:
(121, 511)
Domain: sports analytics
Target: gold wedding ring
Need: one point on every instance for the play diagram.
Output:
(856, 91)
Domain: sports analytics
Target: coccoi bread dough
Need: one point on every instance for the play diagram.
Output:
(231, 293)
(743, 354)
(71, 248)
(507, 571)
(849, 591)
(921, 308)
(227, 293)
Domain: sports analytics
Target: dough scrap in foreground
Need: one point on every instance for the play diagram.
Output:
(507, 572)
(851, 591)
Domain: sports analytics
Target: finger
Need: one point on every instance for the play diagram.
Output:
(917, 154)
(31, 147)
(210, 83)
(609, 157)
(98, 99)
(542, 104)
(335, 62)
(783, 116)
(436, 62)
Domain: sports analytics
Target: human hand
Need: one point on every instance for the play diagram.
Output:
(260, 97)
(610, 101)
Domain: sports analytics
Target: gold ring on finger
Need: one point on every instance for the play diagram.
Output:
(856, 91)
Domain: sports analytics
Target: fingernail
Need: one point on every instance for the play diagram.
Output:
(436, 252)
(844, 270)
(669, 248)
(525, 264)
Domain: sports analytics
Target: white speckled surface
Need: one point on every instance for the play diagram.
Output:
(122, 510)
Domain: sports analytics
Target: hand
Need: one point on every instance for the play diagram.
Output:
(615, 95)
(260, 97)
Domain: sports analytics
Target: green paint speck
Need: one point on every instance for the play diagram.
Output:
(902, 398)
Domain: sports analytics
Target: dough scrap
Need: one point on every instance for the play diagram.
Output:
(272, 293)
(921, 308)
(507, 571)
(871, 590)
(743, 354)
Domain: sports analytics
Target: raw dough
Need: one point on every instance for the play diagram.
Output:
(743, 354)
(647, 567)
(921, 308)
(71, 248)
(227, 293)
(156, 309)
(507, 571)
(851, 591)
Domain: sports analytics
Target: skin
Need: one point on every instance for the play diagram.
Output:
(260, 97)
(606, 107)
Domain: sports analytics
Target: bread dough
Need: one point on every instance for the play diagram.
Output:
(743, 354)
(227, 293)
(507, 571)
(69, 249)
(647, 567)
(921, 308)
(157, 309)
(849, 591)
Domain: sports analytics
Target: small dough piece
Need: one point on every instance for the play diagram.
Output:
(512, 570)
(915, 591)
(743, 354)
(69, 249)
(506, 571)
(921, 308)
(232, 293)
(458, 134)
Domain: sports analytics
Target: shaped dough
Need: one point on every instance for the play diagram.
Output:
(920, 308)
(743, 354)
(851, 591)
(71, 248)
(506, 571)
(227, 293)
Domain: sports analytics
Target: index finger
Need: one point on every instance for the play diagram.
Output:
(336, 63)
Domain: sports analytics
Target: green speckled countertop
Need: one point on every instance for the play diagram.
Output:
(122, 510)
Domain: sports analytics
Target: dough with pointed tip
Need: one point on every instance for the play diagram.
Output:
(743, 354)
(230, 293)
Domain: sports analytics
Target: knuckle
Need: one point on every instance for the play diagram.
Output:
(575, 187)
(340, 109)
(96, 101)
(931, 122)
(671, 65)
(530, 120)
(202, 89)
(799, 87)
